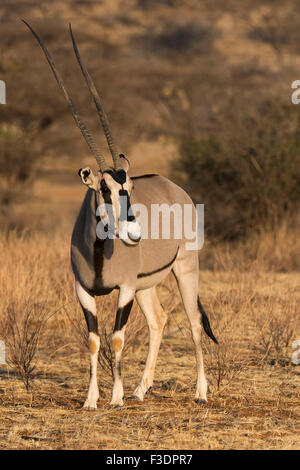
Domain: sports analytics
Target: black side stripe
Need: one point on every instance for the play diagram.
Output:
(159, 269)
(143, 176)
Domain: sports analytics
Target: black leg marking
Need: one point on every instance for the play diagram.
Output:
(92, 321)
(122, 316)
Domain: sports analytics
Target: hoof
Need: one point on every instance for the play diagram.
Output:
(200, 401)
(88, 407)
(157, 395)
(134, 398)
(115, 406)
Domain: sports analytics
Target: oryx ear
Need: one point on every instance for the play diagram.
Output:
(124, 162)
(88, 178)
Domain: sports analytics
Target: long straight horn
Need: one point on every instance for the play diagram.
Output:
(84, 130)
(103, 118)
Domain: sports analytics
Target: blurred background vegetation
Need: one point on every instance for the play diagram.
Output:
(199, 91)
(248, 172)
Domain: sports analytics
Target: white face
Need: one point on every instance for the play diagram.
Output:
(113, 194)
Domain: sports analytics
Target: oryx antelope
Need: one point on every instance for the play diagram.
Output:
(131, 264)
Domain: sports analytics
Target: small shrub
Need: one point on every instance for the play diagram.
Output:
(277, 327)
(225, 361)
(21, 330)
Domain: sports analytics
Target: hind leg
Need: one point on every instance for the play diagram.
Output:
(186, 273)
(88, 306)
(156, 318)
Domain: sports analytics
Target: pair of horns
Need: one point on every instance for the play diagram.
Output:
(103, 118)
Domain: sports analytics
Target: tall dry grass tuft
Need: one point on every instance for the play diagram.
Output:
(277, 325)
(29, 275)
(228, 308)
(227, 361)
(22, 328)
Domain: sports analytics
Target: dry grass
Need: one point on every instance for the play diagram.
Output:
(254, 388)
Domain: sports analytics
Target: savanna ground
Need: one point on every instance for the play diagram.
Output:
(254, 400)
(168, 71)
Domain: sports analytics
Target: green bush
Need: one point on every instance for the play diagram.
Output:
(247, 174)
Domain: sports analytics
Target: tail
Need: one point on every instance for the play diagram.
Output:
(205, 322)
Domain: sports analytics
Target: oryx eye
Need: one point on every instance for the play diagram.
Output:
(104, 188)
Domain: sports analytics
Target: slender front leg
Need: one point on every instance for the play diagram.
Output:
(156, 318)
(88, 305)
(124, 307)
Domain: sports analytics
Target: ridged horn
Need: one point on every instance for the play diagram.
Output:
(84, 130)
(103, 118)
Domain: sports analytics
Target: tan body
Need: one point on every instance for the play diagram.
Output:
(135, 271)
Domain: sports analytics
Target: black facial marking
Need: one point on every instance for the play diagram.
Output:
(123, 192)
(79, 171)
(124, 204)
(119, 369)
(122, 316)
(119, 176)
(126, 211)
(104, 188)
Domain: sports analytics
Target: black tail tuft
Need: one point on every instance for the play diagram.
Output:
(205, 323)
